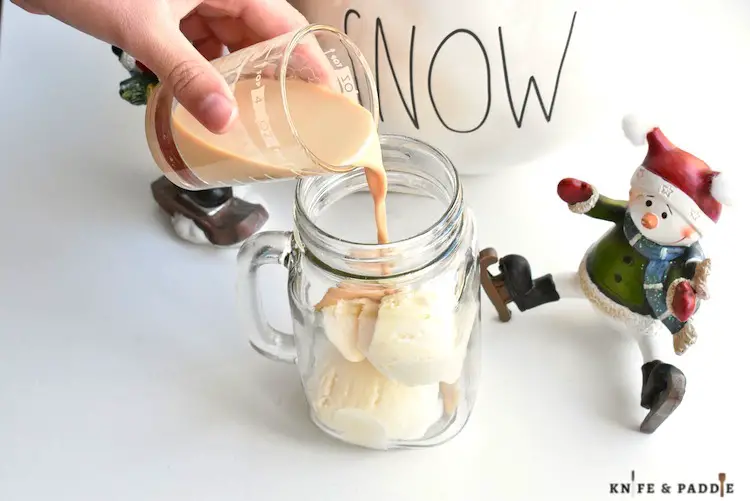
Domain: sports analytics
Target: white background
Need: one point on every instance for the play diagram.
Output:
(124, 374)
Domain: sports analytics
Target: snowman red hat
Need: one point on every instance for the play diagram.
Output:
(681, 179)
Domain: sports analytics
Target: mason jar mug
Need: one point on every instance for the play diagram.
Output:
(385, 336)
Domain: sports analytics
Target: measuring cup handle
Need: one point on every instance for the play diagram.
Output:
(268, 247)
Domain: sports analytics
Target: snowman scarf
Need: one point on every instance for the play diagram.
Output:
(660, 258)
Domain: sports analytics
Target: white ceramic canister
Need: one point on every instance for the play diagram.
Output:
(492, 83)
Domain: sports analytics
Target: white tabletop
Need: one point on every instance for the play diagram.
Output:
(124, 374)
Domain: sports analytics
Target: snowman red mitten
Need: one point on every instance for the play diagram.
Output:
(684, 300)
(572, 191)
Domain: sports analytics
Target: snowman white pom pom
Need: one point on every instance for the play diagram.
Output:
(721, 189)
(636, 129)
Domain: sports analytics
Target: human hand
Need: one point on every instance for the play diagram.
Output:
(175, 39)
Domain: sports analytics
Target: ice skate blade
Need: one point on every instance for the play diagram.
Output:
(665, 405)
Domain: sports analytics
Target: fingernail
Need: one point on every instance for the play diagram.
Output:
(217, 112)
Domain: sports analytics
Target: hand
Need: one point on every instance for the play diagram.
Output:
(176, 38)
(684, 301)
(573, 191)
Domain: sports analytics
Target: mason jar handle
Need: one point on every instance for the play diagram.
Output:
(267, 247)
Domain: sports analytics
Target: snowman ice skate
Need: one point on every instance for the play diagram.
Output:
(221, 217)
(648, 273)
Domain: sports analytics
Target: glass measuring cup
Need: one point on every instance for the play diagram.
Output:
(295, 93)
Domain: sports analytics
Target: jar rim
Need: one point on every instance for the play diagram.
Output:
(437, 236)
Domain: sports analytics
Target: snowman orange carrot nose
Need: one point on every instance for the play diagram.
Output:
(649, 221)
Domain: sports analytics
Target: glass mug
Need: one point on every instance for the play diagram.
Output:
(392, 359)
(288, 89)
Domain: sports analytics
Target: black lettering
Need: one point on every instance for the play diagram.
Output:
(354, 73)
(489, 88)
(730, 488)
(702, 488)
(680, 488)
(625, 488)
(346, 19)
(714, 488)
(647, 488)
(691, 489)
(613, 488)
(532, 81)
(380, 33)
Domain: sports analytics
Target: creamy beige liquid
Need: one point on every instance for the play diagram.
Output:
(261, 144)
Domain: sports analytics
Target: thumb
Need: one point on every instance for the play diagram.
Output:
(196, 84)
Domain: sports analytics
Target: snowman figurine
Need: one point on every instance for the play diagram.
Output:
(648, 273)
(221, 217)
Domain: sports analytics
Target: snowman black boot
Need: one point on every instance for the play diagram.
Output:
(217, 216)
(526, 292)
(515, 283)
(663, 390)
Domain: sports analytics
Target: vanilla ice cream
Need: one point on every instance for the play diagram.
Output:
(450, 386)
(419, 337)
(345, 321)
(365, 407)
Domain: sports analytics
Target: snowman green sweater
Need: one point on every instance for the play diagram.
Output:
(633, 271)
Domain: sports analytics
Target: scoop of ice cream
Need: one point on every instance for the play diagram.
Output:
(349, 312)
(349, 291)
(346, 321)
(366, 324)
(366, 408)
(466, 316)
(415, 339)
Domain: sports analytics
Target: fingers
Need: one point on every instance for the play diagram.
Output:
(196, 84)
(231, 31)
(194, 28)
(266, 19)
(270, 18)
(28, 7)
(240, 23)
(210, 48)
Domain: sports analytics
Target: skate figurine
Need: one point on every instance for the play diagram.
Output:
(648, 273)
(220, 216)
